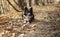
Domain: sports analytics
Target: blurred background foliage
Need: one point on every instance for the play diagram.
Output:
(5, 6)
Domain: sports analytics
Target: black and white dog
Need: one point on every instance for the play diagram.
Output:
(28, 15)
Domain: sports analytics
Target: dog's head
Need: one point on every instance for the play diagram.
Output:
(28, 14)
(28, 11)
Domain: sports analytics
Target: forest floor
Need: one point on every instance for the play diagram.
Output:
(44, 25)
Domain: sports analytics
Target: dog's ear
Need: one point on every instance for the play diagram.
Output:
(31, 9)
(26, 9)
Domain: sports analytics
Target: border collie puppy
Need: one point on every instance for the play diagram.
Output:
(28, 15)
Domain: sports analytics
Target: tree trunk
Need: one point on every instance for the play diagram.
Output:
(36, 2)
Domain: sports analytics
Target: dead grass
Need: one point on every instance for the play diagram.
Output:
(44, 8)
(3, 19)
(31, 27)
